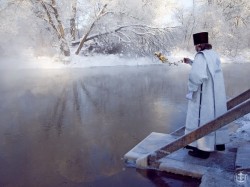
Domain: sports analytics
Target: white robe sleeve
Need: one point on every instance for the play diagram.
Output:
(198, 73)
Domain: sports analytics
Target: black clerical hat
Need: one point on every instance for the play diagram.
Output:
(200, 38)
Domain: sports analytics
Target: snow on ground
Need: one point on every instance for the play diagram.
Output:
(28, 60)
(75, 61)
(243, 132)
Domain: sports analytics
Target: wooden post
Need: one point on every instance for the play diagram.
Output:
(211, 126)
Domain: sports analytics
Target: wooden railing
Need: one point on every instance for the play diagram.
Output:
(239, 99)
(237, 107)
(230, 104)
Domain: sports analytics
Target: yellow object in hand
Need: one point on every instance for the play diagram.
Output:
(162, 58)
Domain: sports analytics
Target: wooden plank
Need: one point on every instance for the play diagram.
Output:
(239, 99)
(211, 126)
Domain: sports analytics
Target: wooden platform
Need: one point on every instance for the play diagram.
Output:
(151, 143)
(165, 152)
(218, 168)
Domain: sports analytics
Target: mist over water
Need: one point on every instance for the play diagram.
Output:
(75, 125)
(71, 127)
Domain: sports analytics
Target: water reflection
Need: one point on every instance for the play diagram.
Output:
(163, 179)
(71, 127)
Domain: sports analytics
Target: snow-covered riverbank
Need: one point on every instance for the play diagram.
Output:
(29, 60)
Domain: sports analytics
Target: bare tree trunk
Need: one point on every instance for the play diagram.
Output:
(89, 30)
(59, 28)
(50, 20)
(73, 19)
(63, 43)
(193, 24)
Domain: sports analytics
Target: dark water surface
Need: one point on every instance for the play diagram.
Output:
(72, 127)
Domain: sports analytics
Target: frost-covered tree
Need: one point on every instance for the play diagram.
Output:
(237, 18)
(226, 21)
(35, 23)
(48, 11)
(73, 28)
(15, 32)
(130, 27)
(122, 27)
(126, 27)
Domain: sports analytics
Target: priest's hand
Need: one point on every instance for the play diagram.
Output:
(187, 60)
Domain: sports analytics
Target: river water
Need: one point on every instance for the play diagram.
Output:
(71, 127)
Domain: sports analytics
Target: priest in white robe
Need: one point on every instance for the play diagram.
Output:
(207, 97)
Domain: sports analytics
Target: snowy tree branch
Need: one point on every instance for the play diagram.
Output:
(89, 30)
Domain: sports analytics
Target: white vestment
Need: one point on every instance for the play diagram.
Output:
(204, 106)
